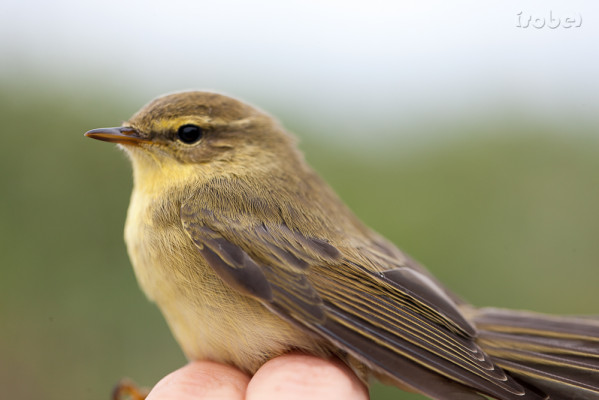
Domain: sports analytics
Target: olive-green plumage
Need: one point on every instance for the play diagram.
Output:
(249, 255)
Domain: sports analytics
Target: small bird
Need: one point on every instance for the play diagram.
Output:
(249, 254)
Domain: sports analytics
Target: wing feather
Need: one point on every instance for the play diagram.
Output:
(393, 322)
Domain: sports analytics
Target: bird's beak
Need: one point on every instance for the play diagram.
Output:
(123, 135)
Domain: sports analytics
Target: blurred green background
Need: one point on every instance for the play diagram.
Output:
(469, 142)
(509, 218)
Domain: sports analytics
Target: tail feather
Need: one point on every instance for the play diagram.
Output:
(559, 355)
(542, 344)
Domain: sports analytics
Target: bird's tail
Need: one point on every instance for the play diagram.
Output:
(558, 355)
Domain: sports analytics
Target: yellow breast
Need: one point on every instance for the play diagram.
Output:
(208, 319)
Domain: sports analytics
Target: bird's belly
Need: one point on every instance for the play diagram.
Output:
(208, 318)
(231, 329)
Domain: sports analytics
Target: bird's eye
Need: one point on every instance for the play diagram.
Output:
(189, 133)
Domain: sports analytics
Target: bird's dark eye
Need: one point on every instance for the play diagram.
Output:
(189, 133)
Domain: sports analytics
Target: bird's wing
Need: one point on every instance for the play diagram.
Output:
(398, 322)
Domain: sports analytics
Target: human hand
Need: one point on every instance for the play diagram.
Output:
(291, 376)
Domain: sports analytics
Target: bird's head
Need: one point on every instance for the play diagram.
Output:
(201, 134)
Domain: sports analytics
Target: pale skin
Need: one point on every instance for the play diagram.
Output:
(291, 376)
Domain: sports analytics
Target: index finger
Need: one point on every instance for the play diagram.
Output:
(201, 380)
(300, 376)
